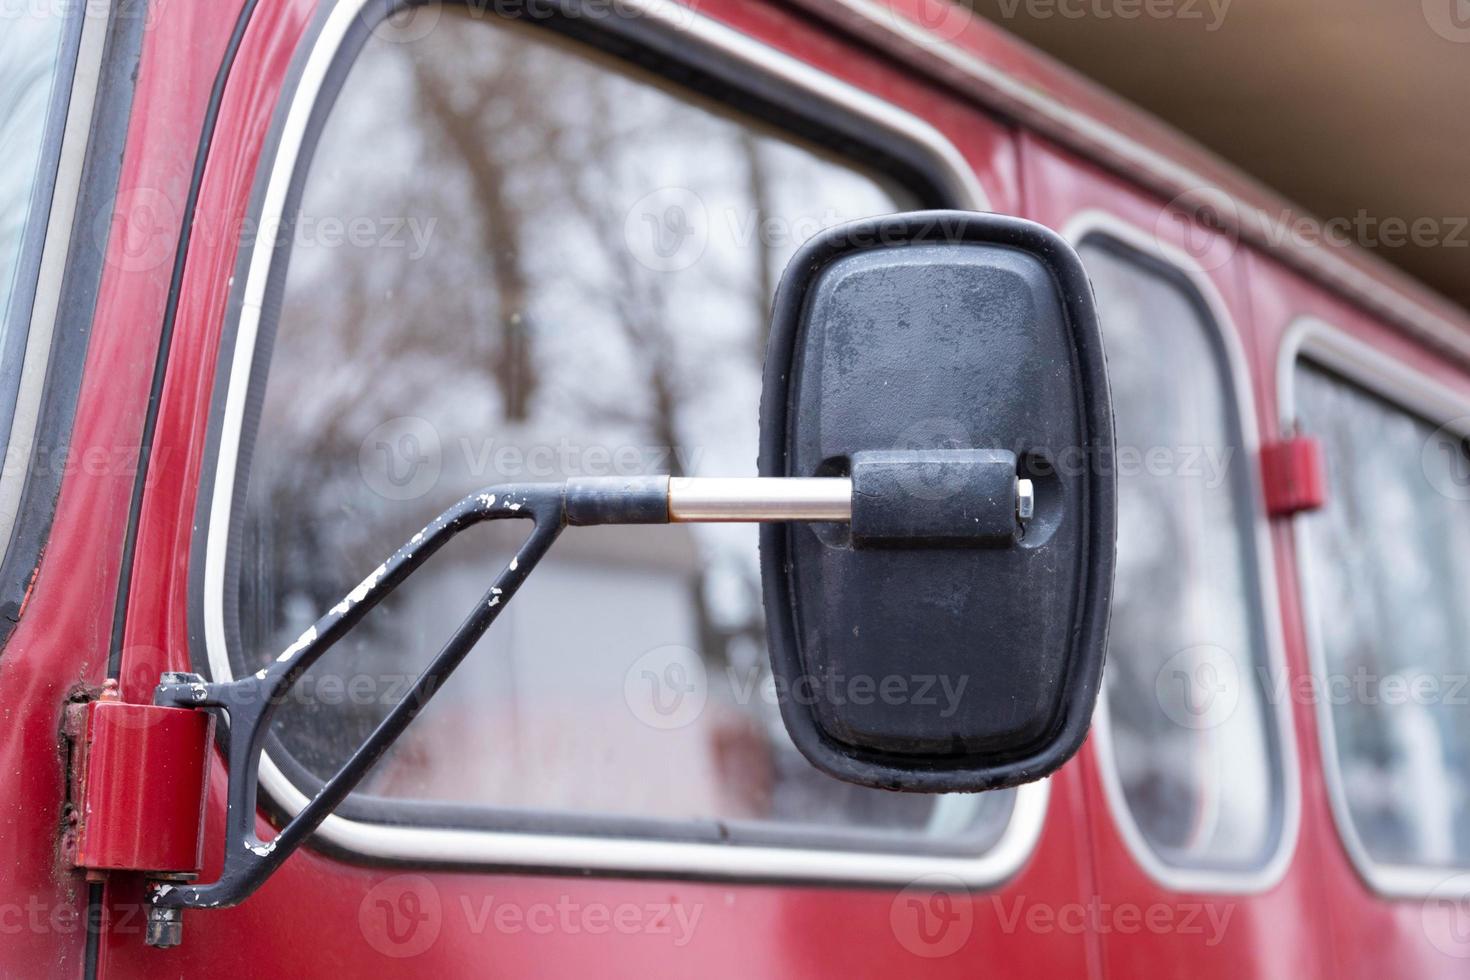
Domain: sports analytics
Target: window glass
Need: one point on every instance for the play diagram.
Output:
(517, 260)
(30, 46)
(1185, 677)
(1388, 575)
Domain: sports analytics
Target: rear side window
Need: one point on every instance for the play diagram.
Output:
(1192, 740)
(516, 260)
(31, 51)
(1387, 575)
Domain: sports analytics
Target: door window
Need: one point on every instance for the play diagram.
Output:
(517, 260)
(30, 55)
(1192, 739)
(1387, 576)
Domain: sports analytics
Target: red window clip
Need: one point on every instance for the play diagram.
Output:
(1294, 475)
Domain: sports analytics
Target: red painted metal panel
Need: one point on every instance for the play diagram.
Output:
(1367, 936)
(61, 641)
(143, 770)
(1270, 934)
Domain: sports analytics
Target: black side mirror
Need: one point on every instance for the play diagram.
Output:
(951, 637)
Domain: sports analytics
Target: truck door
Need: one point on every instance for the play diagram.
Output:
(449, 248)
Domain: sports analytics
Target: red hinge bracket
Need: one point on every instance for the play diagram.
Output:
(1294, 475)
(136, 787)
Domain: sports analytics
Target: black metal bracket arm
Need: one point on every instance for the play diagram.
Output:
(250, 702)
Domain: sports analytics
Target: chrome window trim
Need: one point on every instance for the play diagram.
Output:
(1101, 223)
(1316, 341)
(420, 844)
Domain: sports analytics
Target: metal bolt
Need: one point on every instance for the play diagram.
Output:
(165, 927)
(1025, 499)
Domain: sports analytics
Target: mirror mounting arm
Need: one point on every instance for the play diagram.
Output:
(250, 702)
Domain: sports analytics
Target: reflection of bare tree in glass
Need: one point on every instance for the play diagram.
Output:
(499, 216)
(758, 187)
(1387, 585)
(531, 320)
(641, 306)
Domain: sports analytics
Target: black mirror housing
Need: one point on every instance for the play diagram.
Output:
(951, 638)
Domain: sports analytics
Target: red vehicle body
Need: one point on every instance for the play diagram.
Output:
(109, 595)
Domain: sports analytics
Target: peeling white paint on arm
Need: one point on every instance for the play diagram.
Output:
(360, 593)
(302, 642)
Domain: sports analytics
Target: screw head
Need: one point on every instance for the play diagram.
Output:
(165, 927)
(1025, 499)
